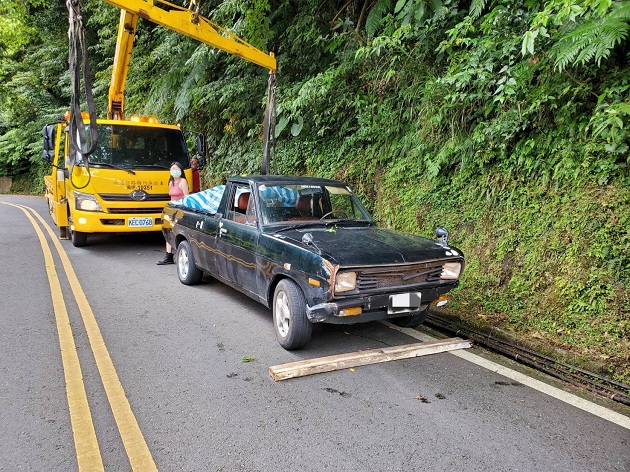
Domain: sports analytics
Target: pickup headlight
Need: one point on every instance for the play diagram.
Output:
(451, 271)
(345, 281)
(86, 202)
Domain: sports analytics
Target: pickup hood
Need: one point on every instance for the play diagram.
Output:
(356, 246)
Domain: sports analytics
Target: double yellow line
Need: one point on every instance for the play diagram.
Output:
(88, 453)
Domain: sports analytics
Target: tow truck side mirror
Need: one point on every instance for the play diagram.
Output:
(48, 154)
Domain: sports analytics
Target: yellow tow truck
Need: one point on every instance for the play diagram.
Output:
(122, 186)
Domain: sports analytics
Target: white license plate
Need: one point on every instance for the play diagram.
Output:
(140, 222)
(403, 302)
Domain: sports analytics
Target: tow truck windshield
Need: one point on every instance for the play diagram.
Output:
(138, 147)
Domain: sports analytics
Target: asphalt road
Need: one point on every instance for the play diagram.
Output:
(165, 387)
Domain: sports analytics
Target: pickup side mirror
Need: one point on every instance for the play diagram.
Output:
(48, 154)
(441, 235)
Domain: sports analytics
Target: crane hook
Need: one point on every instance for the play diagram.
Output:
(194, 6)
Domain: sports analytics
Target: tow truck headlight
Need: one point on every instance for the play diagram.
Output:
(86, 202)
(451, 271)
(345, 281)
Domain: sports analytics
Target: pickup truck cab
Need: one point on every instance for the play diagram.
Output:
(308, 249)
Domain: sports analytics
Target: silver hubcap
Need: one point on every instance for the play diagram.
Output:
(283, 314)
(182, 263)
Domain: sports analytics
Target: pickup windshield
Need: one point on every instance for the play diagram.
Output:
(138, 147)
(308, 204)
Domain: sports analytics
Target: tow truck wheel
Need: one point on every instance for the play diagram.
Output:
(79, 239)
(293, 329)
(412, 321)
(188, 272)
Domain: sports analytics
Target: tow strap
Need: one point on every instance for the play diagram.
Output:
(269, 124)
(77, 45)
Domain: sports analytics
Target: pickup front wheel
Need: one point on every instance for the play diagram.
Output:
(293, 329)
(188, 272)
(412, 321)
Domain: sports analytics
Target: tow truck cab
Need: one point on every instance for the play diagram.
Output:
(122, 186)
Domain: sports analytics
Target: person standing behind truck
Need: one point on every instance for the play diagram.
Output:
(194, 165)
(177, 188)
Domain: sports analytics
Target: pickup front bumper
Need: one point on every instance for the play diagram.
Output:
(373, 307)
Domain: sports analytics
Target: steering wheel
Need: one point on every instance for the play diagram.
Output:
(340, 213)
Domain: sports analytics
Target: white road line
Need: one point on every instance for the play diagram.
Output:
(542, 387)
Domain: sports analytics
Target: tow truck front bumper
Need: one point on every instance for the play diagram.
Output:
(100, 222)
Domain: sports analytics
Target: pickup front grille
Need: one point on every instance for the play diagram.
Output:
(376, 279)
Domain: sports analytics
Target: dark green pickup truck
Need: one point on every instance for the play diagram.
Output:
(308, 249)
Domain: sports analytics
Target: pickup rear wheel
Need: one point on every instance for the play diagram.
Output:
(188, 272)
(293, 329)
(412, 321)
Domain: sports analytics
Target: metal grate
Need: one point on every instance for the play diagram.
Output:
(142, 211)
(375, 279)
(126, 197)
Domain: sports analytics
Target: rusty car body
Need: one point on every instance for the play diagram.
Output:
(308, 249)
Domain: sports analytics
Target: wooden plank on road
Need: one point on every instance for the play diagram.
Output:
(370, 356)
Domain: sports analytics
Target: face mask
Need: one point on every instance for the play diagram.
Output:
(176, 173)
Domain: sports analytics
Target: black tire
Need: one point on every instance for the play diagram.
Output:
(412, 321)
(293, 329)
(79, 239)
(187, 271)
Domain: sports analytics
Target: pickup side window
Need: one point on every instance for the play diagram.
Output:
(241, 208)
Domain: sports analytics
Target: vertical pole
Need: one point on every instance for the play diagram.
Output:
(269, 123)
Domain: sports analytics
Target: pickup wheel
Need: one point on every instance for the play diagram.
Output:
(188, 272)
(293, 329)
(412, 321)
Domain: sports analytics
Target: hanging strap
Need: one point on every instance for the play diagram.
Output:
(269, 123)
(76, 39)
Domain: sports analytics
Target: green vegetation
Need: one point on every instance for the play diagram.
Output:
(508, 122)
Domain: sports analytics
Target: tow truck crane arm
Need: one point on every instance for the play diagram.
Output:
(184, 21)
(122, 56)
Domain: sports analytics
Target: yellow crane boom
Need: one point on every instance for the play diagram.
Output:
(184, 21)
(122, 56)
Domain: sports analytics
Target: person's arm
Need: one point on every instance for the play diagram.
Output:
(183, 184)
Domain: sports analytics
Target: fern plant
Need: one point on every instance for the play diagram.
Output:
(593, 40)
